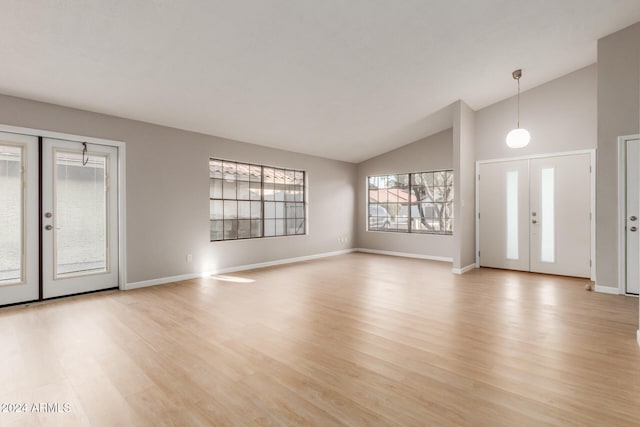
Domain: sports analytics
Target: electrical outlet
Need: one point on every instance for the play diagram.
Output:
(189, 258)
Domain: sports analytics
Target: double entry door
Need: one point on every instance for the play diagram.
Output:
(58, 218)
(535, 215)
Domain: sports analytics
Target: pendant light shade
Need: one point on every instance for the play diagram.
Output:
(518, 137)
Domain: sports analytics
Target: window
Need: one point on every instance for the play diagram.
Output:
(250, 201)
(411, 202)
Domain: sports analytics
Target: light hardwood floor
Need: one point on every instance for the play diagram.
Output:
(349, 340)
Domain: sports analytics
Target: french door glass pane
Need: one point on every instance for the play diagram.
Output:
(80, 214)
(11, 214)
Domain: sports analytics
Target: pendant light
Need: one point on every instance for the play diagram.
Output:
(518, 137)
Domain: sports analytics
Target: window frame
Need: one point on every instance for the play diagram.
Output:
(410, 229)
(290, 200)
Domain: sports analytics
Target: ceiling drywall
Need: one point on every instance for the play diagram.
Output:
(341, 79)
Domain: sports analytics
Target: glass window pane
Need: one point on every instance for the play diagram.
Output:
(256, 228)
(11, 214)
(230, 209)
(279, 176)
(80, 214)
(279, 192)
(255, 173)
(269, 227)
(215, 169)
(216, 230)
(229, 171)
(244, 229)
(244, 210)
(243, 190)
(289, 193)
(280, 210)
(256, 210)
(280, 227)
(229, 189)
(269, 210)
(291, 226)
(215, 188)
(268, 175)
(215, 209)
(429, 178)
(255, 190)
(242, 172)
(299, 178)
(230, 229)
(289, 177)
(300, 226)
(268, 191)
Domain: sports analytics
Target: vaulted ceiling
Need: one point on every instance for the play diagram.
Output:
(341, 79)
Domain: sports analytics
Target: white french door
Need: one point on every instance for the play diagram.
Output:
(80, 227)
(19, 251)
(75, 188)
(535, 215)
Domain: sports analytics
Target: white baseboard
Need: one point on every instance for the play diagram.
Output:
(162, 281)
(189, 276)
(607, 290)
(404, 254)
(278, 262)
(463, 269)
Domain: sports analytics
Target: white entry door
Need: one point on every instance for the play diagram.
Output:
(19, 279)
(632, 214)
(535, 215)
(80, 223)
(561, 215)
(504, 215)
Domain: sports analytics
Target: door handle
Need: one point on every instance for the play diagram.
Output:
(534, 222)
(634, 229)
(48, 227)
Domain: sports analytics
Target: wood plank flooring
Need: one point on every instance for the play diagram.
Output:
(357, 340)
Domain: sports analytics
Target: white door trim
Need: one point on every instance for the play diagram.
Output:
(622, 220)
(592, 156)
(122, 196)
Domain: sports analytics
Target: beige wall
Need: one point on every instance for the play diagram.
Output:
(167, 192)
(432, 153)
(618, 112)
(561, 116)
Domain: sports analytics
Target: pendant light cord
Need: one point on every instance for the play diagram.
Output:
(518, 80)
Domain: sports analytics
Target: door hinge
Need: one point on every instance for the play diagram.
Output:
(478, 177)
(590, 263)
(478, 215)
(478, 254)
